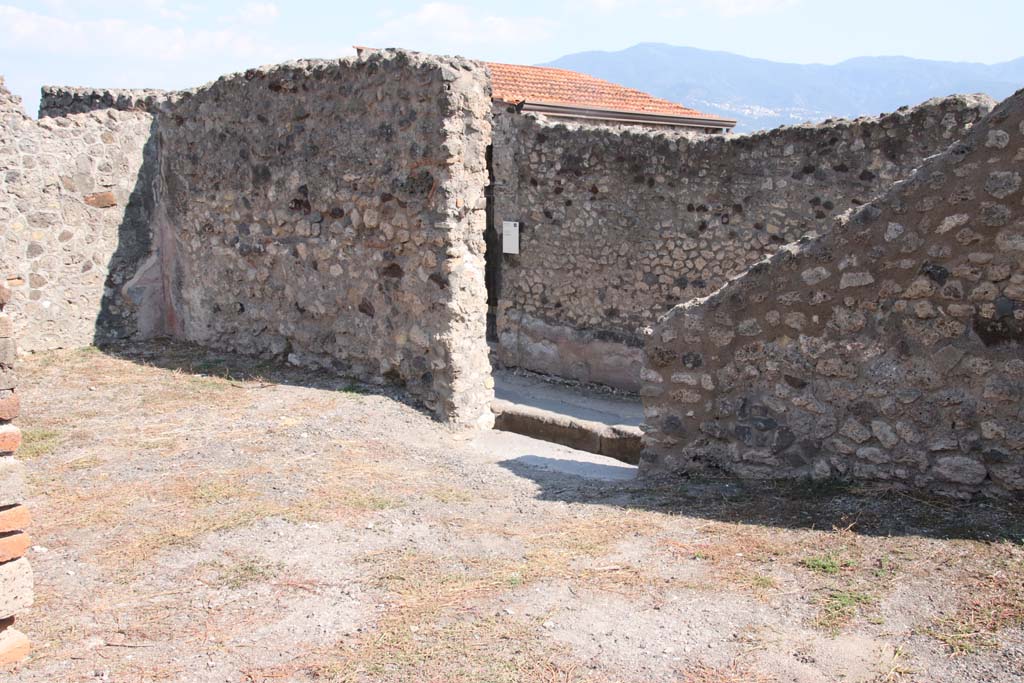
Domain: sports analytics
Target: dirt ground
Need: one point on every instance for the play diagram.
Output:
(201, 517)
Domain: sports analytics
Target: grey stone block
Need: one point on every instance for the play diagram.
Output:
(15, 587)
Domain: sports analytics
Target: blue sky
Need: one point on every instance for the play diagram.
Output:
(170, 44)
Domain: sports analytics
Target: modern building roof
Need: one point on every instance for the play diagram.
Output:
(571, 94)
(515, 83)
(575, 91)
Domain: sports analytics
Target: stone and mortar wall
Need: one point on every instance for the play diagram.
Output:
(620, 224)
(332, 212)
(61, 100)
(889, 349)
(75, 201)
(15, 573)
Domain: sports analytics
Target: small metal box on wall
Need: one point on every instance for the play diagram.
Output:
(510, 237)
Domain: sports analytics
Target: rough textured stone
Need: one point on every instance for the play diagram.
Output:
(59, 101)
(925, 394)
(16, 580)
(66, 260)
(617, 225)
(356, 246)
(12, 481)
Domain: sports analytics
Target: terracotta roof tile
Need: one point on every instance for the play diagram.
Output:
(514, 83)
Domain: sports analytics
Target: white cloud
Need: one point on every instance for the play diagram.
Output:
(448, 27)
(737, 8)
(725, 8)
(259, 13)
(602, 6)
(22, 29)
(164, 9)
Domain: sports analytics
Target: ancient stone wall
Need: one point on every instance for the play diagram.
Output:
(75, 200)
(889, 349)
(618, 225)
(15, 572)
(62, 100)
(332, 212)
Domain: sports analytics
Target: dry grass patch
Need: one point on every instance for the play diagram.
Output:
(241, 572)
(434, 629)
(732, 673)
(39, 440)
(992, 600)
(837, 607)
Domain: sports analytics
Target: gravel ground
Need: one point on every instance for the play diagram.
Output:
(203, 517)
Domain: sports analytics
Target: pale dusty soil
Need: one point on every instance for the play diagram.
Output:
(198, 517)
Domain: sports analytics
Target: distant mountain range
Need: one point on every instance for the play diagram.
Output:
(764, 94)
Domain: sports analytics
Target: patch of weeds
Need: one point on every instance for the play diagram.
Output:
(355, 388)
(825, 564)
(159, 444)
(215, 367)
(242, 573)
(186, 531)
(996, 603)
(763, 581)
(83, 463)
(733, 673)
(370, 501)
(39, 441)
(214, 491)
(894, 669)
(884, 567)
(451, 495)
(839, 607)
(456, 650)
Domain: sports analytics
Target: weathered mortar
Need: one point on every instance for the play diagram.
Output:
(620, 224)
(75, 201)
(332, 212)
(889, 349)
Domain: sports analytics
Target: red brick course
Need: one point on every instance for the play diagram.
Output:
(15, 518)
(14, 546)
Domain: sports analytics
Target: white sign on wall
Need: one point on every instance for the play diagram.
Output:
(510, 237)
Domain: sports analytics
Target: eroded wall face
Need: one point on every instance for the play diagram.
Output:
(889, 349)
(617, 226)
(75, 202)
(333, 213)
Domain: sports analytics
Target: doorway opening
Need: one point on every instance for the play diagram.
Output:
(492, 253)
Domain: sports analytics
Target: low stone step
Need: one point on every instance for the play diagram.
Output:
(621, 442)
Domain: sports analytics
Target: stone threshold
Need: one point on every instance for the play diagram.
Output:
(568, 415)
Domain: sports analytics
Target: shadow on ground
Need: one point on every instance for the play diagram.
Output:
(863, 509)
(197, 360)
